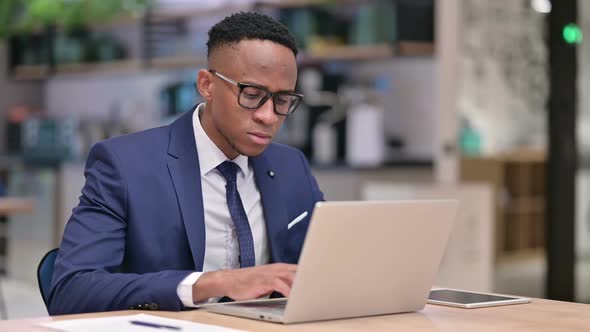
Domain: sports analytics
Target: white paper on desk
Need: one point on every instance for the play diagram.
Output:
(123, 323)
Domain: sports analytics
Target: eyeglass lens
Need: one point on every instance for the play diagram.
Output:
(253, 97)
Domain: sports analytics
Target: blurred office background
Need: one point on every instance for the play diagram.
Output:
(404, 99)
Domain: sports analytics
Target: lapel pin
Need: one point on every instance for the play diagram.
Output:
(271, 173)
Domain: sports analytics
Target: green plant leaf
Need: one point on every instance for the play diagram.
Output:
(18, 16)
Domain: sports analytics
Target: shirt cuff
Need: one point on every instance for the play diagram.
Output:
(185, 291)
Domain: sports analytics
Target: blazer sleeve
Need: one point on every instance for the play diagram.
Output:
(87, 275)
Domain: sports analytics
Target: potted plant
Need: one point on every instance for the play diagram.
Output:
(25, 16)
(40, 30)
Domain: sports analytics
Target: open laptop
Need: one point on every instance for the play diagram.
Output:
(361, 259)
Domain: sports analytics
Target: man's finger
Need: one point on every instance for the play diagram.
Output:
(282, 287)
(288, 277)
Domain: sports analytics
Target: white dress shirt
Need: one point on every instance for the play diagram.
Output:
(221, 241)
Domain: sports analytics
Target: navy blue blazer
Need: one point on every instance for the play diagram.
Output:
(139, 228)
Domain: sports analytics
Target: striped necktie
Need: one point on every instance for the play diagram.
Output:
(238, 215)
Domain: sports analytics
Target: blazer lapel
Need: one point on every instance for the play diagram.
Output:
(183, 165)
(273, 205)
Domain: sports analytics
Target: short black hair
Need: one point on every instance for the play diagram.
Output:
(248, 25)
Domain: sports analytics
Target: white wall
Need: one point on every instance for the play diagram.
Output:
(95, 96)
(410, 104)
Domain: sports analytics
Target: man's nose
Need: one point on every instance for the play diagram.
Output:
(265, 113)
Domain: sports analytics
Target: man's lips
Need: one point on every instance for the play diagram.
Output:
(260, 138)
(261, 135)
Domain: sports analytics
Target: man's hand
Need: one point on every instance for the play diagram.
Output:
(247, 283)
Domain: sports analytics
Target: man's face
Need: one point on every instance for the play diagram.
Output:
(233, 128)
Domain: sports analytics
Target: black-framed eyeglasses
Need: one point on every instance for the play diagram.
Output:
(252, 96)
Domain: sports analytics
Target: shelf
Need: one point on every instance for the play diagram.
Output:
(518, 256)
(391, 164)
(98, 67)
(31, 72)
(192, 12)
(178, 62)
(349, 53)
(12, 205)
(340, 53)
(374, 52)
(524, 155)
(41, 72)
(343, 53)
(121, 20)
(285, 4)
(415, 48)
(164, 15)
(333, 53)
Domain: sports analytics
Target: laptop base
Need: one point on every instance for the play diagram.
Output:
(270, 310)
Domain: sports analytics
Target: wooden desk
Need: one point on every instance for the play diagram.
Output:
(538, 316)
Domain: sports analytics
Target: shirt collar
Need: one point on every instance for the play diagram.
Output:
(210, 156)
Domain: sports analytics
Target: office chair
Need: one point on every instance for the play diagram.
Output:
(45, 273)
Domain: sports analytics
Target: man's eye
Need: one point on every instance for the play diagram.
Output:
(281, 100)
(251, 95)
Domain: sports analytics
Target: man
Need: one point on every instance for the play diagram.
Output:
(205, 208)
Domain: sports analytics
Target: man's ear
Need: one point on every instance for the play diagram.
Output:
(205, 84)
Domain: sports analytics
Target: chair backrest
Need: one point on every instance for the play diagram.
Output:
(45, 273)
